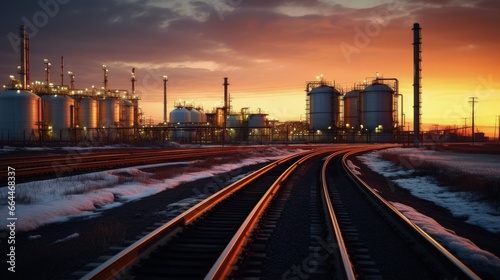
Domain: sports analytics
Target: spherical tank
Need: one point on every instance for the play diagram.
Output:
(257, 120)
(195, 115)
(57, 111)
(324, 107)
(127, 118)
(87, 112)
(180, 115)
(109, 112)
(377, 107)
(351, 118)
(19, 114)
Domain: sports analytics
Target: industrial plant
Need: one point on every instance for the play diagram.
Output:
(42, 112)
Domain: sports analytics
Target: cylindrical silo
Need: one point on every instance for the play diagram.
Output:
(203, 117)
(233, 121)
(376, 102)
(19, 114)
(109, 112)
(324, 107)
(351, 109)
(57, 111)
(87, 112)
(257, 120)
(127, 118)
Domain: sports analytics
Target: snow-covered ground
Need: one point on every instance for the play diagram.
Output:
(460, 204)
(87, 195)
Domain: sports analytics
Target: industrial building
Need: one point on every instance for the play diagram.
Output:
(41, 112)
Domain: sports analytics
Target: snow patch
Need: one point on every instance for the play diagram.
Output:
(425, 187)
(354, 169)
(86, 196)
(474, 257)
(69, 237)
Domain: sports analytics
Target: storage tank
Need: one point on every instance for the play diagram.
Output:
(351, 109)
(87, 112)
(257, 120)
(232, 121)
(109, 112)
(203, 116)
(57, 114)
(180, 115)
(324, 107)
(377, 107)
(195, 115)
(19, 114)
(127, 118)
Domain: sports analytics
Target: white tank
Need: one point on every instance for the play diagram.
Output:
(377, 107)
(109, 112)
(87, 112)
(19, 114)
(57, 111)
(180, 115)
(324, 107)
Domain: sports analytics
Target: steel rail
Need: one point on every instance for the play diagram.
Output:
(148, 158)
(332, 218)
(399, 217)
(141, 248)
(34, 161)
(225, 263)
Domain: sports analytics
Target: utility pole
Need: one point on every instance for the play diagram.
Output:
(465, 127)
(473, 101)
(495, 131)
(498, 129)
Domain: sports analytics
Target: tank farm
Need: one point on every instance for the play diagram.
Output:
(48, 113)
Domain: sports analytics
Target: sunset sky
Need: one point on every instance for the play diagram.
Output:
(268, 50)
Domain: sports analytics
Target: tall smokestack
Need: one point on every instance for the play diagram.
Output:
(27, 58)
(22, 49)
(417, 87)
(226, 98)
(165, 80)
(133, 79)
(62, 70)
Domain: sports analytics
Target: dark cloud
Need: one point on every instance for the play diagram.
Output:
(251, 39)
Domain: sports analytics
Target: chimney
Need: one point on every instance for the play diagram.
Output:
(23, 51)
(417, 88)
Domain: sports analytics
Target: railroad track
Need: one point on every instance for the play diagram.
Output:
(378, 240)
(74, 162)
(204, 232)
(350, 232)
